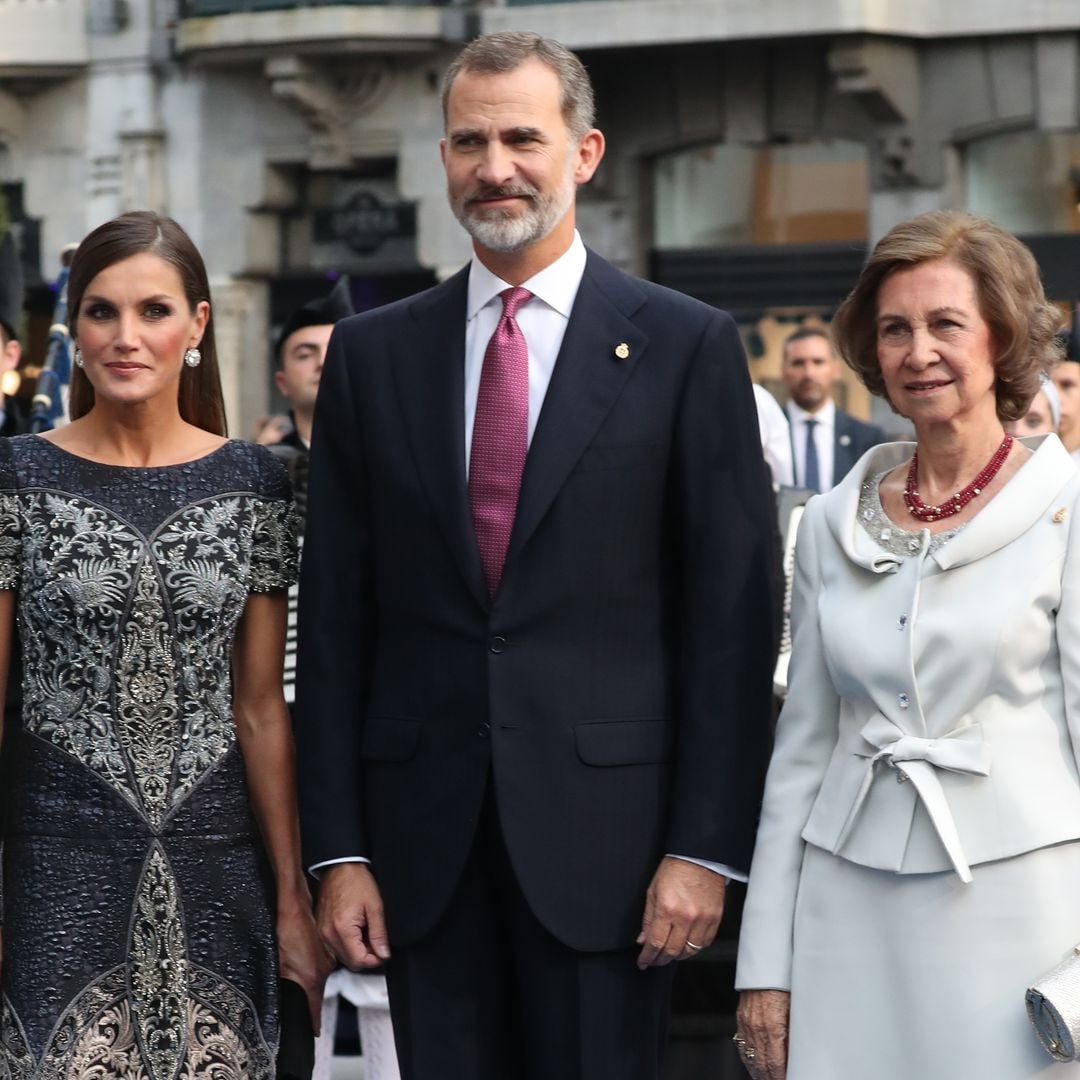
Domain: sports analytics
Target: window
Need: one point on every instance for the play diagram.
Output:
(726, 194)
(1026, 181)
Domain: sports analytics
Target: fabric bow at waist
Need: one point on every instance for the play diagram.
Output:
(961, 750)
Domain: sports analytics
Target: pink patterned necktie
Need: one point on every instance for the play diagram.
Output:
(500, 437)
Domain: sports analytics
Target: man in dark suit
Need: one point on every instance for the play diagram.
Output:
(825, 440)
(535, 656)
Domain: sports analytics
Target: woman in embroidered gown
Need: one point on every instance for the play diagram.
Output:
(152, 883)
(917, 864)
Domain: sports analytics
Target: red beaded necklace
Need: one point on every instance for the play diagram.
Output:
(919, 509)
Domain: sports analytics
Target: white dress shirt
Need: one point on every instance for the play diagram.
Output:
(824, 440)
(543, 321)
(775, 437)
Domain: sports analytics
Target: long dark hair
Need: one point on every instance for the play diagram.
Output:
(140, 231)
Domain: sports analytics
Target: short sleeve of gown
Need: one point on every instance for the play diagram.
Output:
(274, 540)
(9, 520)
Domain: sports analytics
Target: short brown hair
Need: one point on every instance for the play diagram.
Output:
(802, 334)
(135, 233)
(1023, 324)
(496, 54)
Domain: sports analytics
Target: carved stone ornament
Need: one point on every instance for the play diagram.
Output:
(330, 101)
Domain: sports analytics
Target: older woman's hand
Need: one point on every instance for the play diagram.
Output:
(762, 1036)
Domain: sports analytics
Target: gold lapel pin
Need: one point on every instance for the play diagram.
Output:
(622, 350)
(1059, 515)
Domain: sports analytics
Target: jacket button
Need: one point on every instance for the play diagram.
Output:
(484, 730)
(498, 644)
(903, 700)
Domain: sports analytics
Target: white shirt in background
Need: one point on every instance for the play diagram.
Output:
(775, 437)
(824, 440)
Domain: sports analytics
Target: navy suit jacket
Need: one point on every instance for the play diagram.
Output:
(851, 439)
(616, 690)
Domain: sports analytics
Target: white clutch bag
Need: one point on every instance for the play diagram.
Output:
(1053, 1007)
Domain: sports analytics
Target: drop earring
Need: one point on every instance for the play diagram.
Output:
(193, 358)
(78, 357)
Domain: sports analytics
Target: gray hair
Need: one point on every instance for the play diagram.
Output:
(496, 54)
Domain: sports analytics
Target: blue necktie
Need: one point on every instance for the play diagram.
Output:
(811, 479)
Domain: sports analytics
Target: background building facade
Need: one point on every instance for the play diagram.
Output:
(754, 149)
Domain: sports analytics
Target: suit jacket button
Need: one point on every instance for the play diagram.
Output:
(498, 644)
(484, 730)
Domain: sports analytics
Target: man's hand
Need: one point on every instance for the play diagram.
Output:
(683, 908)
(350, 916)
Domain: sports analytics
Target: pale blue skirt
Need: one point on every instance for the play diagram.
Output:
(921, 977)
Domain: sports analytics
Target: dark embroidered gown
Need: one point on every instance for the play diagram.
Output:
(138, 913)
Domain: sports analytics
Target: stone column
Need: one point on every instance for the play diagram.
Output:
(240, 320)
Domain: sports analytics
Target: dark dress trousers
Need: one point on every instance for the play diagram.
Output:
(611, 703)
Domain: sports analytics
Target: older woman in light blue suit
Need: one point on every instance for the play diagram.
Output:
(917, 865)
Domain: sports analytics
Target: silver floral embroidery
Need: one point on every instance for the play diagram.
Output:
(220, 998)
(274, 561)
(159, 968)
(16, 1061)
(81, 1019)
(128, 667)
(216, 1049)
(78, 570)
(146, 702)
(108, 1048)
(97, 1038)
(203, 554)
(9, 541)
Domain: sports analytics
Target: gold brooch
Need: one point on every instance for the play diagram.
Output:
(1059, 515)
(622, 350)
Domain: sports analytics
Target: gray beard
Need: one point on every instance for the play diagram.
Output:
(505, 232)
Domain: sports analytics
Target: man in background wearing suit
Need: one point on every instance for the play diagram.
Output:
(535, 655)
(825, 440)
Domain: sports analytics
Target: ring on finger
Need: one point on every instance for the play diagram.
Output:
(744, 1048)
(691, 945)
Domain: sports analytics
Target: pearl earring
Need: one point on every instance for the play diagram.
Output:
(193, 358)
(79, 362)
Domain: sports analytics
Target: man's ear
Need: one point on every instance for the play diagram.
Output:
(590, 151)
(279, 382)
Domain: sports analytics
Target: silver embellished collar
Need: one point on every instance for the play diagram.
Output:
(884, 531)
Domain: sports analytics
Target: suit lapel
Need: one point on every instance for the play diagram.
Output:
(796, 472)
(429, 373)
(843, 456)
(589, 376)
